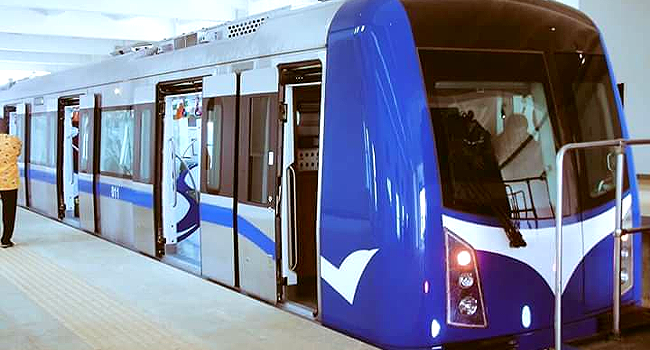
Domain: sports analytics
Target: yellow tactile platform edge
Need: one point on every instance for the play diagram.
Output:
(99, 320)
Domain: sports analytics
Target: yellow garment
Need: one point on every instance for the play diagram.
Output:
(10, 147)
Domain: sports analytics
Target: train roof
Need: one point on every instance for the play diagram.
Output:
(539, 25)
(267, 34)
(296, 30)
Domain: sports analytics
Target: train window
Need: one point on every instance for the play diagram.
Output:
(43, 139)
(213, 144)
(587, 92)
(259, 148)
(84, 140)
(145, 129)
(116, 151)
(494, 132)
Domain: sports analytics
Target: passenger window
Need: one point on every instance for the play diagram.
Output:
(213, 144)
(43, 139)
(259, 148)
(84, 140)
(145, 120)
(116, 151)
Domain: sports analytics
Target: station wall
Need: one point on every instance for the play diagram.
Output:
(626, 29)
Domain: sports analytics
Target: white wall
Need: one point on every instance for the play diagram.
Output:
(574, 3)
(626, 31)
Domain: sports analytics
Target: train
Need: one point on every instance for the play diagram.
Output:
(385, 168)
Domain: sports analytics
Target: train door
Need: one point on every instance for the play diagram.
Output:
(180, 180)
(302, 101)
(256, 183)
(218, 258)
(67, 156)
(87, 171)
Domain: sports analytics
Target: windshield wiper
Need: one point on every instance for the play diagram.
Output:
(475, 143)
(503, 216)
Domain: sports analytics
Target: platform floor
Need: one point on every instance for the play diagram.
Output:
(61, 288)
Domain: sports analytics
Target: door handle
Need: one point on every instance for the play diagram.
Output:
(173, 165)
(293, 220)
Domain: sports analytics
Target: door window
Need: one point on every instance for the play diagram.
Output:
(43, 139)
(117, 143)
(259, 169)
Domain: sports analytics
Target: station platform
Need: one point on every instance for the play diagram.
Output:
(61, 288)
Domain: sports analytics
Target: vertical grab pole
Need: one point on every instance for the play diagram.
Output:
(558, 248)
(620, 161)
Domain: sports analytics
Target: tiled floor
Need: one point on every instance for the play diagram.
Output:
(64, 289)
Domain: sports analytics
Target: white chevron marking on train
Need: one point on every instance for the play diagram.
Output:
(345, 279)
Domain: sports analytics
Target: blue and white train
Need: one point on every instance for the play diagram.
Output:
(386, 167)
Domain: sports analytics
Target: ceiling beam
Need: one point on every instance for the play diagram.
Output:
(88, 25)
(60, 44)
(187, 9)
(45, 59)
(32, 67)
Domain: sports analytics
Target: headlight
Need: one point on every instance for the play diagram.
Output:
(464, 258)
(466, 280)
(468, 306)
(625, 277)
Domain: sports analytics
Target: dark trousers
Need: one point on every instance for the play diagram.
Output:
(8, 214)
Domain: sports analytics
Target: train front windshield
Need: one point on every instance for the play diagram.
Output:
(498, 130)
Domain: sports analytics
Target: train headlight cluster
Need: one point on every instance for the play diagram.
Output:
(627, 256)
(465, 304)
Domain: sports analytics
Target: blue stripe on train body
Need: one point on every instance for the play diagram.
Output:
(209, 213)
(381, 190)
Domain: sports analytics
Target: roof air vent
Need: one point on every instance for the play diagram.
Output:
(244, 28)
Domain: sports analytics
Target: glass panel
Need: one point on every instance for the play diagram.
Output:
(146, 133)
(117, 142)
(43, 139)
(20, 132)
(84, 140)
(213, 144)
(587, 92)
(260, 145)
(494, 135)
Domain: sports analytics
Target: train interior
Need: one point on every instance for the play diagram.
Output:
(69, 160)
(303, 113)
(181, 186)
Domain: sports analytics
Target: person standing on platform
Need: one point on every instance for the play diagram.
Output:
(10, 147)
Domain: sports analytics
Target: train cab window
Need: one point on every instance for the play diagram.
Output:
(494, 132)
(43, 139)
(213, 143)
(116, 152)
(145, 146)
(259, 148)
(586, 91)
